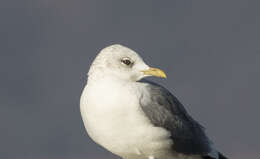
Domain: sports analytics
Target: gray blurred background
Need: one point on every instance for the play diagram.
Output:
(209, 49)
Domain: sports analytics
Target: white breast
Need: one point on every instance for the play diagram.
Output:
(114, 119)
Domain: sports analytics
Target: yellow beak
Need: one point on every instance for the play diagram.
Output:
(155, 72)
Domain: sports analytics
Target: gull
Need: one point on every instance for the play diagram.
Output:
(135, 118)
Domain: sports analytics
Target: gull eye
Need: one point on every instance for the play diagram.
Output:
(126, 61)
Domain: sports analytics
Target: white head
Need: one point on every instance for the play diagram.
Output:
(123, 63)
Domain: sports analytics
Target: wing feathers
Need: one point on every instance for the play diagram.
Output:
(164, 110)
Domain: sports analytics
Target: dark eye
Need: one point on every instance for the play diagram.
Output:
(126, 61)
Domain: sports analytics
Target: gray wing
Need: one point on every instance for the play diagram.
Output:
(164, 110)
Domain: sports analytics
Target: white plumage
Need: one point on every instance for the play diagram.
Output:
(110, 107)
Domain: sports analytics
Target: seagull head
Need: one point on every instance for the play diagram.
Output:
(123, 63)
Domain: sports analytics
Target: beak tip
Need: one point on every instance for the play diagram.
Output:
(164, 76)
